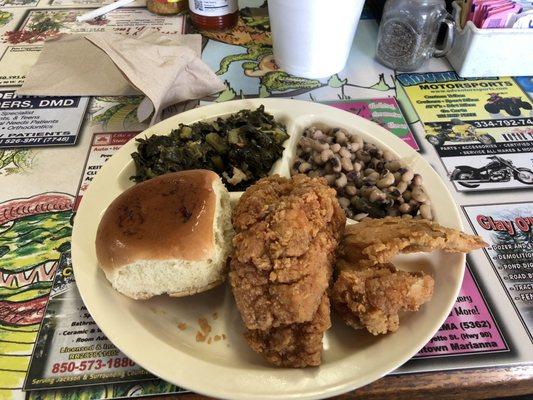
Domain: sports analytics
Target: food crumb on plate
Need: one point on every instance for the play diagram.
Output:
(217, 338)
(204, 331)
(182, 326)
(215, 315)
(204, 326)
(200, 337)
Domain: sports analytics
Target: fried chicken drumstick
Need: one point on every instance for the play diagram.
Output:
(369, 291)
(287, 232)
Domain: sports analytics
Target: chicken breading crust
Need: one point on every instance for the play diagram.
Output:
(369, 291)
(373, 297)
(296, 345)
(287, 232)
(377, 241)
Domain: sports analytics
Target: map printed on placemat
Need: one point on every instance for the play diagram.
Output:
(508, 228)
(482, 129)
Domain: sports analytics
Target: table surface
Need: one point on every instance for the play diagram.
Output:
(465, 380)
(470, 384)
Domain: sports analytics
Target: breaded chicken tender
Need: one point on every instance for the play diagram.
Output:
(377, 241)
(369, 291)
(296, 345)
(287, 232)
(373, 297)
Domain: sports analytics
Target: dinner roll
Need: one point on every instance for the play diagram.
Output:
(170, 234)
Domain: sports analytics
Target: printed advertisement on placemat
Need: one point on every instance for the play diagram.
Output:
(70, 349)
(110, 391)
(39, 121)
(482, 129)
(469, 329)
(384, 111)
(103, 146)
(507, 228)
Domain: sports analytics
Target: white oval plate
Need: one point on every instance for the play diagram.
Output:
(147, 331)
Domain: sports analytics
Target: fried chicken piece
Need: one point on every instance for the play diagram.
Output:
(287, 231)
(297, 345)
(377, 241)
(280, 291)
(286, 234)
(369, 292)
(373, 297)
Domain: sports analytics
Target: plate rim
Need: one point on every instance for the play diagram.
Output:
(214, 110)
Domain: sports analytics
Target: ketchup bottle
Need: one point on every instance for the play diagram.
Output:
(211, 15)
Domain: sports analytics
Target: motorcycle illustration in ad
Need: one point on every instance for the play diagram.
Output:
(438, 133)
(497, 170)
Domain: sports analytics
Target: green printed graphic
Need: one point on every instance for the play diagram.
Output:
(15, 161)
(34, 232)
(116, 113)
(5, 17)
(248, 48)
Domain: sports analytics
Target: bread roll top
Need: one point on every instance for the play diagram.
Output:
(167, 217)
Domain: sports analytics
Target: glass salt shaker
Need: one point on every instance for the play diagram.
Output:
(408, 33)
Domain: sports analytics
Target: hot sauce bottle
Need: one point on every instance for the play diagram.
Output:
(214, 14)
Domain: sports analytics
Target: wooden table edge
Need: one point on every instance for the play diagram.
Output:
(467, 384)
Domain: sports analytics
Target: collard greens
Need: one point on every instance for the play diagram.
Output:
(241, 148)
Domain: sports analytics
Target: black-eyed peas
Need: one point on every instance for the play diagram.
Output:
(369, 181)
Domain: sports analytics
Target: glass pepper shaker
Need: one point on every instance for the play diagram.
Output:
(408, 33)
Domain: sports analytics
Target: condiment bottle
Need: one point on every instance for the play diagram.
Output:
(408, 33)
(214, 14)
(166, 7)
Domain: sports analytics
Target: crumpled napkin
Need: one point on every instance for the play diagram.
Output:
(167, 69)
